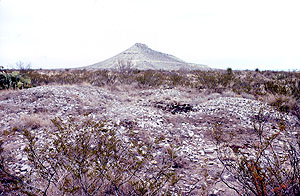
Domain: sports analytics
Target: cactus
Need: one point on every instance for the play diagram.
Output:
(14, 80)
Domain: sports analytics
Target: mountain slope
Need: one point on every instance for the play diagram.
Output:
(142, 57)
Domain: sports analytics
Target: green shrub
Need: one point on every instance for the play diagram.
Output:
(207, 80)
(177, 79)
(150, 78)
(14, 80)
(276, 88)
(229, 71)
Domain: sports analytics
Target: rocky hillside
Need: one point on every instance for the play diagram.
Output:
(184, 117)
(141, 57)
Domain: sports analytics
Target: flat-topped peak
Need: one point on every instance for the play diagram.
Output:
(140, 45)
(142, 57)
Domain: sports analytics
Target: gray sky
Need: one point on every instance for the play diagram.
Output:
(240, 34)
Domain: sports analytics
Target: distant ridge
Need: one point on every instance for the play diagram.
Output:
(144, 58)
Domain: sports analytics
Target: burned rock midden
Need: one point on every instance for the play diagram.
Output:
(180, 116)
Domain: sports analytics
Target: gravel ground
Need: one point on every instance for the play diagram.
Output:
(183, 116)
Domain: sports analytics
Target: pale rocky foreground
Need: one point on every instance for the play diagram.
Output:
(185, 117)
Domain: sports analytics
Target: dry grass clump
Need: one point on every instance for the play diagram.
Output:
(32, 121)
(8, 94)
(284, 103)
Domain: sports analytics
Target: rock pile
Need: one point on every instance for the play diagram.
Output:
(151, 112)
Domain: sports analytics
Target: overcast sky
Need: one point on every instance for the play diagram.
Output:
(240, 34)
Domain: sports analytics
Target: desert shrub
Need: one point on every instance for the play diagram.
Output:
(150, 78)
(276, 88)
(282, 103)
(95, 78)
(229, 71)
(46, 77)
(216, 81)
(176, 78)
(241, 86)
(125, 71)
(10, 184)
(226, 78)
(266, 165)
(95, 158)
(125, 67)
(286, 104)
(102, 77)
(71, 77)
(38, 79)
(22, 66)
(208, 80)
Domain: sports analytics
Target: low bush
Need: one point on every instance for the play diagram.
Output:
(177, 79)
(268, 164)
(95, 158)
(150, 78)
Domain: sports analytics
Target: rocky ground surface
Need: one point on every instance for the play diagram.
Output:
(184, 117)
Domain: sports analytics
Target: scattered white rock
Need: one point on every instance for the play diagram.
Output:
(187, 130)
